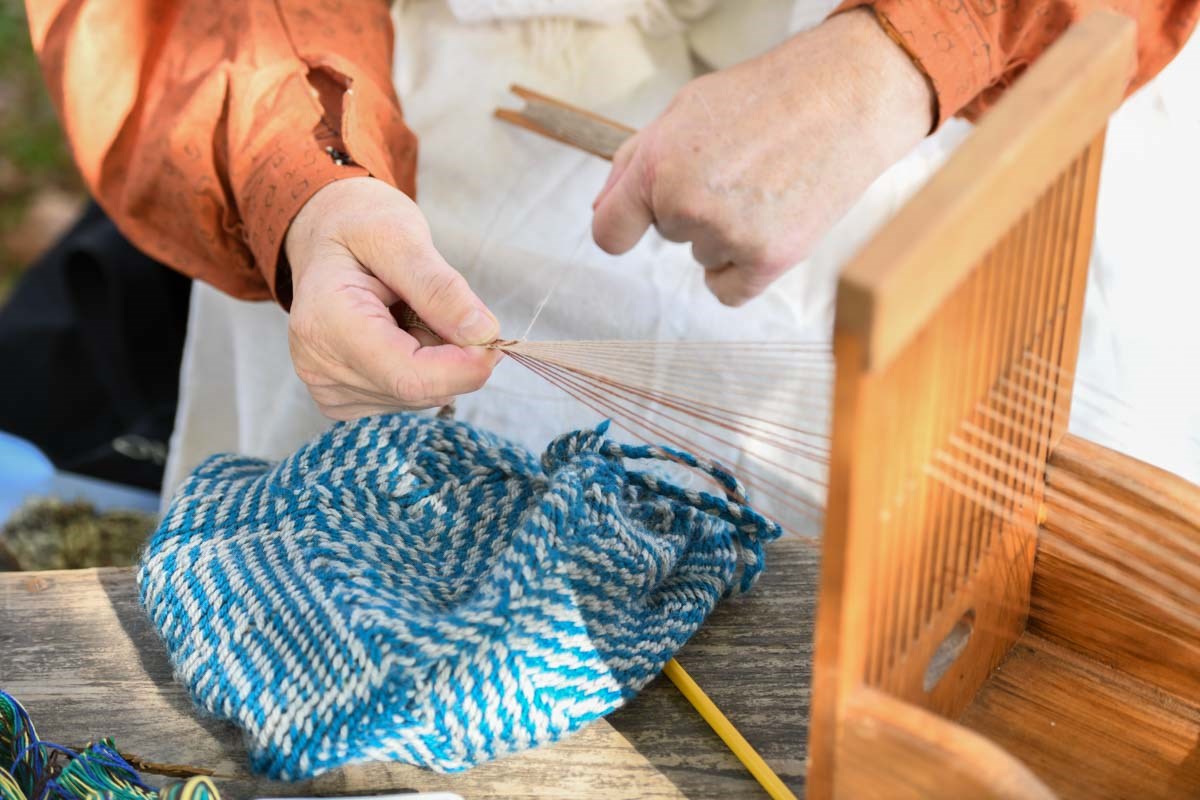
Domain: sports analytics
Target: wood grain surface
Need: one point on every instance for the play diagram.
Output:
(566, 123)
(78, 651)
(1090, 732)
(908, 753)
(1117, 571)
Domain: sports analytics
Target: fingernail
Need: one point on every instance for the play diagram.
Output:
(477, 327)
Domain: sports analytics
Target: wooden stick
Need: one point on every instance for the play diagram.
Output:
(566, 123)
(771, 783)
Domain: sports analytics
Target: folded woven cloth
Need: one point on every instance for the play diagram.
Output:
(413, 589)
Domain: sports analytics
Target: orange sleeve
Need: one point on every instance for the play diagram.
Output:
(972, 50)
(201, 126)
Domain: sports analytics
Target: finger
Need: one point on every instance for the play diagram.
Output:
(327, 316)
(735, 284)
(396, 366)
(620, 163)
(710, 253)
(425, 338)
(330, 397)
(351, 410)
(623, 214)
(413, 325)
(448, 370)
(435, 291)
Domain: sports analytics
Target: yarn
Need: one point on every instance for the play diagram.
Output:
(413, 589)
(35, 769)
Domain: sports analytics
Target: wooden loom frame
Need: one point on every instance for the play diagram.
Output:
(960, 320)
(965, 310)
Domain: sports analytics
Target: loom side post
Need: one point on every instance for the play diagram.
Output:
(910, 267)
(986, 263)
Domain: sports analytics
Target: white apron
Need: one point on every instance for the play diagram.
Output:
(512, 211)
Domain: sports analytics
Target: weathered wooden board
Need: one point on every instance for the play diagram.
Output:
(77, 650)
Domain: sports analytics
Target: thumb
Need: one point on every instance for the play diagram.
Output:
(620, 162)
(440, 296)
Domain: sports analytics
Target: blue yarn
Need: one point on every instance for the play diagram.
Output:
(412, 589)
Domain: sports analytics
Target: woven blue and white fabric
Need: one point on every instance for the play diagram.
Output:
(412, 589)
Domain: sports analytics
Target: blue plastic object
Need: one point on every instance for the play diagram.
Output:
(25, 472)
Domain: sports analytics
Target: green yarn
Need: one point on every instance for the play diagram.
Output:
(34, 769)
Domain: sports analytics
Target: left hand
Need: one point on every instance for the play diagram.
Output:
(357, 248)
(754, 163)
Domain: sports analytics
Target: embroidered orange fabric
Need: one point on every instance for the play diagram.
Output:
(202, 126)
(972, 50)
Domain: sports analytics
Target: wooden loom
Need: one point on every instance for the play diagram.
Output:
(1005, 611)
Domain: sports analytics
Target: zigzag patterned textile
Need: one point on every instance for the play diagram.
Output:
(412, 589)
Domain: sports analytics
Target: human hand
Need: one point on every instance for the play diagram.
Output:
(753, 164)
(358, 247)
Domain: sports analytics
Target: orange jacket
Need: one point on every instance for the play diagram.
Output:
(202, 127)
(972, 50)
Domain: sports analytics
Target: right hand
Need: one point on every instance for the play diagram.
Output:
(753, 164)
(358, 247)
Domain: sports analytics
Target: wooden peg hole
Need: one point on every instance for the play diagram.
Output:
(949, 650)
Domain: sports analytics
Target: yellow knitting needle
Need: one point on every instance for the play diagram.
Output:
(734, 740)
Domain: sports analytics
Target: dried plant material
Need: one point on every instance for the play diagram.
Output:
(47, 533)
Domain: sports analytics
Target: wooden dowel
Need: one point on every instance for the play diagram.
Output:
(754, 763)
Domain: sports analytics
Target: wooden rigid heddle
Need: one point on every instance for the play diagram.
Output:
(1005, 610)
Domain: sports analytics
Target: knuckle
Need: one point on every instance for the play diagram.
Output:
(756, 259)
(409, 387)
(442, 287)
(334, 412)
(706, 254)
(769, 262)
(312, 378)
(325, 395)
(683, 212)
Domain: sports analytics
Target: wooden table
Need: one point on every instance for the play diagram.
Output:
(78, 652)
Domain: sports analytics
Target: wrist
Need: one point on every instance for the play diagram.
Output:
(888, 90)
(918, 87)
(315, 220)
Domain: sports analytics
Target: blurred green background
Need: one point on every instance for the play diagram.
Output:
(40, 191)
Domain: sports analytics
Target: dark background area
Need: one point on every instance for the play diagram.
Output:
(91, 333)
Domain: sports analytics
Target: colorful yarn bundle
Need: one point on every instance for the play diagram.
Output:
(34, 769)
(413, 589)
